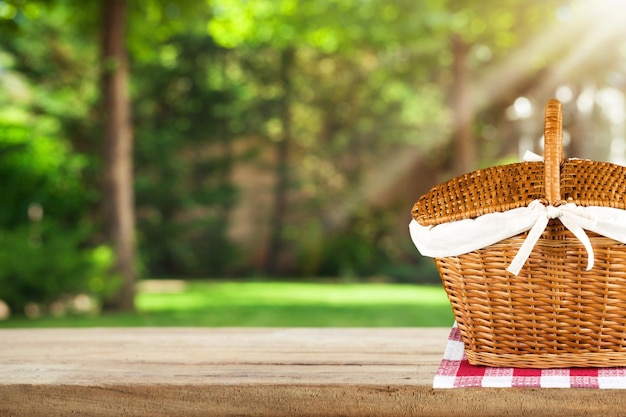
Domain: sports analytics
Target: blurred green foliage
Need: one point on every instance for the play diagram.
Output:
(185, 119)
(44, 228)
(211, 93)
(42, 263)
(48, 242)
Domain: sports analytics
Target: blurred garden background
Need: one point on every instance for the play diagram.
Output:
(254, 162)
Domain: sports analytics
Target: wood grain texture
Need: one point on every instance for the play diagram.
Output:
(255, 372)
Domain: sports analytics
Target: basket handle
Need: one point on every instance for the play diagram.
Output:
(553, 151)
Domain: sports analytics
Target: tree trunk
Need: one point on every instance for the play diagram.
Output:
(281, 190)
(118, 198)
(464, 146)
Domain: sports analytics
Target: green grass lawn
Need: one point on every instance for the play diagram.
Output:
(272, 304)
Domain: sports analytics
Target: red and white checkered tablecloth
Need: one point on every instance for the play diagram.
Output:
(456, 372)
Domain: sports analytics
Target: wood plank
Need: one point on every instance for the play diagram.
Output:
(256, 372)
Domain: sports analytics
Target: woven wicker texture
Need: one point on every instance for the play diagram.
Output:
(554, 313)
(505, 187)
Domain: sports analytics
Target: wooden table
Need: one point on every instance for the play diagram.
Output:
(255, 372)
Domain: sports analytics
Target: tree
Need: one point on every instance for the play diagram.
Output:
(190, 109)
(283, 177)
(49, 249)
(293, 131)
(118, 197)
(342, 89)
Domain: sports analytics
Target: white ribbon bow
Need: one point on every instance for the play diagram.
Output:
(574, 218)
(464, 236)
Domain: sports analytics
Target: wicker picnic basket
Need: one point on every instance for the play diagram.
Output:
(554, 313)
